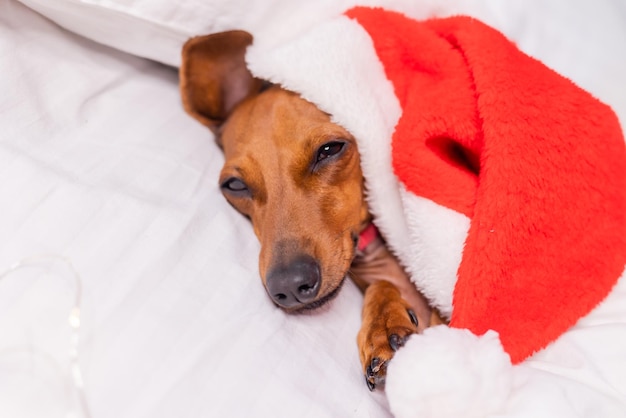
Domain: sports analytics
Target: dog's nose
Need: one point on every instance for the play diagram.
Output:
(294, 284)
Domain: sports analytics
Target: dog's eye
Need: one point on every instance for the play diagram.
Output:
(329, 149)
(235, 185)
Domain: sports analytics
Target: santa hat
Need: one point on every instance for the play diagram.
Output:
(536, 163)
(500, 184)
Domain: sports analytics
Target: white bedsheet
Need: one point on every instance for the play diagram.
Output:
(100, 165)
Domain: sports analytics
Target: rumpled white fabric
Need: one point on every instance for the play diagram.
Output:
(100, 164)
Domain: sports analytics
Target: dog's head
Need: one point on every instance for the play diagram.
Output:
(288, 168)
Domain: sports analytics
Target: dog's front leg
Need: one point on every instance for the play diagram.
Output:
(393, 310)
(388, 320)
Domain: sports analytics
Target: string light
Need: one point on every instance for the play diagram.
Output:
(73, 321)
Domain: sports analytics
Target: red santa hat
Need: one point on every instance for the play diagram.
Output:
(536, 163)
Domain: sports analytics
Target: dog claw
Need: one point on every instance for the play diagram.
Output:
(375, 375)
(374, 382)
(374, 366)
(412, 316)
(395, 341)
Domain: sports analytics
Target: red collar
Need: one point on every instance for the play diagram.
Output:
(366, 237)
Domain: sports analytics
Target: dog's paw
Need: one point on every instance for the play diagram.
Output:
(388, 322)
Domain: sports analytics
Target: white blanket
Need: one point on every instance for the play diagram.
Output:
(101, 165)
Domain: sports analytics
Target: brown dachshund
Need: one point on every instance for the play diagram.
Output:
(297, 177)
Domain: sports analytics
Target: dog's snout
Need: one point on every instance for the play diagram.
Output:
(294, 284)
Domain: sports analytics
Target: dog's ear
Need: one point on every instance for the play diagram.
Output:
(214, 77)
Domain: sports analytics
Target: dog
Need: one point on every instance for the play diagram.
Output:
(296, 176)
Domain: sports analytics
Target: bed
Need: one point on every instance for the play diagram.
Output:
(111, 214)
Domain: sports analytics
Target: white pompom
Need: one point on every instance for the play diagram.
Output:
(449, 372)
